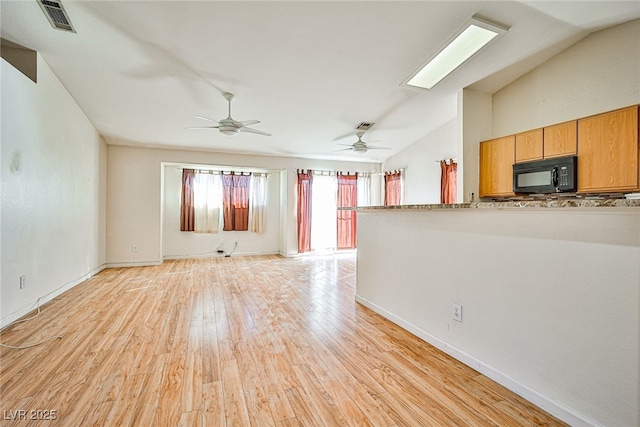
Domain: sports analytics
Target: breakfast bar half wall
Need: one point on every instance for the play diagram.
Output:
(549, 295)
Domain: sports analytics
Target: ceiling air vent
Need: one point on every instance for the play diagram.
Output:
(364, 126)
(56, 15)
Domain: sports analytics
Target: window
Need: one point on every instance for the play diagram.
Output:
(210, 197)
(258, 203)
(207, 198)
(235, 199)
(323, 213)
(364, 189)
(319, 197)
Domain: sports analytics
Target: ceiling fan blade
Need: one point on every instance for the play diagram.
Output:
(206, 118)
(375, 147)
(343, 149)
(203, 127)
(248, 123)
(259, 132)
(346, 145)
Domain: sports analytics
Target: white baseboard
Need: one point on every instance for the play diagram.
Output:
(133, 264)
(290, 255)
(554, 408)
(10, 318)
(217, 255)
(349, 252)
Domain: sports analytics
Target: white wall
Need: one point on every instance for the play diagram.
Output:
(550, 298)
(136, 200)
(422, 174)
(475, 121)
(53, 191)
(180, 244)
(598, 74)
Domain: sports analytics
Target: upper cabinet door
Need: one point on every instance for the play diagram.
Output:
(608, 152)
(496, 167)
(561, 140)
(529, 146)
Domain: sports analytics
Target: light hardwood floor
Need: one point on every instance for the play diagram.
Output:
(240, 341)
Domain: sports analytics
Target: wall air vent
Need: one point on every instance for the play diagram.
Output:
(56, 15)
(364, 126)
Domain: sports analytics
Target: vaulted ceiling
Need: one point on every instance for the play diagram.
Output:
(310, 71)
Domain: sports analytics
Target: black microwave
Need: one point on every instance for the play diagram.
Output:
(546, 176)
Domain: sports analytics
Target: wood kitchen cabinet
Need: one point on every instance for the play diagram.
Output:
(561, 140)
(496, 167)
(529, 146)
(608, 152)
(546, 143)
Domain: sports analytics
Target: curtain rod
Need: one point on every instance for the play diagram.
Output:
(349, 173)
(392, 171)
(329, 172)
(454, 160)
(227, 171)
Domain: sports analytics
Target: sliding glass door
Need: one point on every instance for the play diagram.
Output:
(323, 213)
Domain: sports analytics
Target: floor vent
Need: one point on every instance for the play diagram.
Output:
(56, 15)
(364, 125)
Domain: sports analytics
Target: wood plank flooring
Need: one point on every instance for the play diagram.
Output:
(240, 341)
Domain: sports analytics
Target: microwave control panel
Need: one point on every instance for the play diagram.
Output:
(563, 177)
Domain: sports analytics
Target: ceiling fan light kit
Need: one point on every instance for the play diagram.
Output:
(228, 131)
(230, 127)
(361, 146)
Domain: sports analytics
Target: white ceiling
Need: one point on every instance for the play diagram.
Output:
(310, 71)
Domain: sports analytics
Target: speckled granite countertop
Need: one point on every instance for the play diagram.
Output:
(561, 203)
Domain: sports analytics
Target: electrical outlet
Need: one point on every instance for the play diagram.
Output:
(23, 281)
(134, 248)
(456, 312)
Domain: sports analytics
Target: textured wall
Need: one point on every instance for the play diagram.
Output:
(550, 298)
(53, 191)
(599, 73)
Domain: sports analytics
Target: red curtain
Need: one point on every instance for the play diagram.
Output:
(187, 207)
(448, 182)
(347, 197)
(304, 211)
(235, 202)
(392, 188)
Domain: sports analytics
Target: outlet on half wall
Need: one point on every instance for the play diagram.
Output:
(456, 312)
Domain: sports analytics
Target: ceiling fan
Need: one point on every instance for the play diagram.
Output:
(362, 147)
(229, 126)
